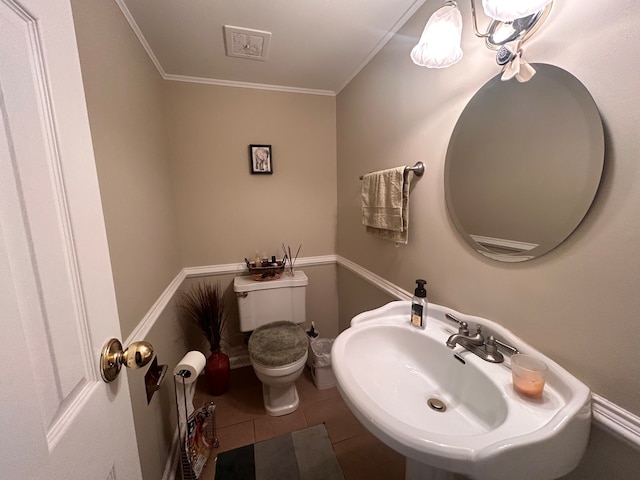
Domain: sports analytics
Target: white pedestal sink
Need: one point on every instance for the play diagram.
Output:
(450, 411)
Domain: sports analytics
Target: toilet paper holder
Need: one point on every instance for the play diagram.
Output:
(154, 377)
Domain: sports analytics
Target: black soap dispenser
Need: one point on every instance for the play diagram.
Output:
(419, 305)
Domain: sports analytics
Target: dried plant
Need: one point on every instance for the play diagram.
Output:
(203, 305)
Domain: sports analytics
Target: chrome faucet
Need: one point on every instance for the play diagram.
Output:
(463, 338)
(476, 344)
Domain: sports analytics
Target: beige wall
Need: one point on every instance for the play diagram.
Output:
(124, 95)
(393, 113)
(156, 422)
(579, 303)
(356, 296)
(580, 296)
(321, 304)
(125, 104)
(226, 213)
(605, 457)
(220, 213)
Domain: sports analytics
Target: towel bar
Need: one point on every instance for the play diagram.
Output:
(418, 169)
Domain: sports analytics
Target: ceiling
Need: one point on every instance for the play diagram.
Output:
(316, 47)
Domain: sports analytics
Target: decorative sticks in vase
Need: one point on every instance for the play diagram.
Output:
(290, 259)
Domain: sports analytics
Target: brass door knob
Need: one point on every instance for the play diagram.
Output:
(136, 355)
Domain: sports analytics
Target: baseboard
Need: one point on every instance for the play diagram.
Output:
(608, 416)
(171, 467)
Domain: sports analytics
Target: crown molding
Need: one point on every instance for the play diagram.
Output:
(141, 39)
(254, 86)
(209, 81)
(415, 6)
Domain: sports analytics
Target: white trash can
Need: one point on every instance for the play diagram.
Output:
(320, 354)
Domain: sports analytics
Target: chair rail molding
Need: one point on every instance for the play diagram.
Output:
(148, 321)
(375, 280)
(613, 419)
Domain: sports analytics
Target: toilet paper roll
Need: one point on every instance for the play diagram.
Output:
(193, 362)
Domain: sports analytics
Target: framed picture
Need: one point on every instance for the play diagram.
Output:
(261, 160)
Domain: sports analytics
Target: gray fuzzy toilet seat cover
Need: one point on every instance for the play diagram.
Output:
(277, 344)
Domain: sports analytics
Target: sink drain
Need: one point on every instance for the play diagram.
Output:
(437, 405)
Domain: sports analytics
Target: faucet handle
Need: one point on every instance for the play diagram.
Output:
(506, 346)
(491, 349)
(463, 327)
(490, 345)
(479, 335)
(493, 343)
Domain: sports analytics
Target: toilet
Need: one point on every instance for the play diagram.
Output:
(278, 346)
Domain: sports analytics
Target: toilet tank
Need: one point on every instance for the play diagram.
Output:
(268, 301)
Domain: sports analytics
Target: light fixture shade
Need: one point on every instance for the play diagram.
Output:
(439, 45)
(508, 10)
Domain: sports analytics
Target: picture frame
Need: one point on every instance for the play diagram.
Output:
(261, 159)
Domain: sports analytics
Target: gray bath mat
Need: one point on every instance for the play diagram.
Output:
(303, 455)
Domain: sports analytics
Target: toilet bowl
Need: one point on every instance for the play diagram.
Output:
(278, 346)
(278, 352)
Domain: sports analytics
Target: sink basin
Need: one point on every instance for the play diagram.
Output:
(448, 410)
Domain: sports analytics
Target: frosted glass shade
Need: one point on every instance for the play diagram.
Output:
(508, 10)
(439, 45)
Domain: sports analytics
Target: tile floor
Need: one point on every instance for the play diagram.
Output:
(242, 420)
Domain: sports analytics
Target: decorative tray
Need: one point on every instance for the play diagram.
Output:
(266, 270)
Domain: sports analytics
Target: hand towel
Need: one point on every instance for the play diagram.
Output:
(385, 203)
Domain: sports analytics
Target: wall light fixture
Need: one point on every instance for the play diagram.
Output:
(512, 22)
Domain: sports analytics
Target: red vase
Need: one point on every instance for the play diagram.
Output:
(217, 372)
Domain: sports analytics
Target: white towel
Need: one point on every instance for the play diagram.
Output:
(385, 203)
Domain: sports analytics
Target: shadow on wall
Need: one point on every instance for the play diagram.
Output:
(321, 304)
(357, 296)
(232, 335)
(606, 457)
(172, 338)
(155, 423)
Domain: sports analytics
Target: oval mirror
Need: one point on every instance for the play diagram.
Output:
(524, 163)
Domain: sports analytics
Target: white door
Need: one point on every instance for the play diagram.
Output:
(58, 419)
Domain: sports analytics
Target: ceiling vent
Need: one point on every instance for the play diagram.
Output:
(246, 43)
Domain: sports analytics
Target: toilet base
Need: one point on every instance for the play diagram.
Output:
(280, 400)
(279, 392)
